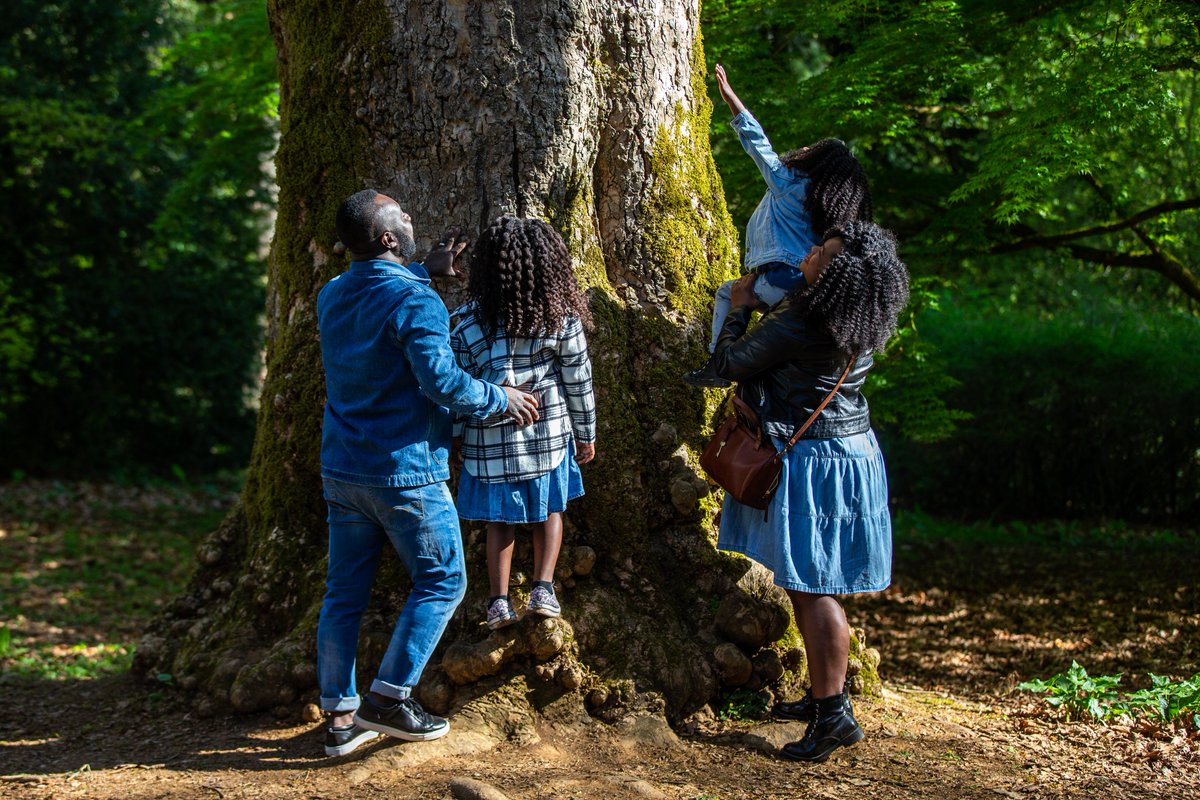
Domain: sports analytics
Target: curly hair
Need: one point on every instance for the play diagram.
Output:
(859, 296)
(522, 280)
(838, 193)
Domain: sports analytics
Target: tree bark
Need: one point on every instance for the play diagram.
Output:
(593, 115)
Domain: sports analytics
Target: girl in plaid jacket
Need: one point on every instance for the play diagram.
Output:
(524, 326)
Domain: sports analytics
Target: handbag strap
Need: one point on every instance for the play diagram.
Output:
(813, 417)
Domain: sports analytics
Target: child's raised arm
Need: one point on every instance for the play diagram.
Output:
(736, 106)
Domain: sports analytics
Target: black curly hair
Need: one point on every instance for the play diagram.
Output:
(859, 296)
(522, 279)
(838, 193)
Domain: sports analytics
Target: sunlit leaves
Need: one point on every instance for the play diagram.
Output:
(975, 115)
(134, 193)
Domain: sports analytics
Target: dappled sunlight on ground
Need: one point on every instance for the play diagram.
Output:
(968, 617)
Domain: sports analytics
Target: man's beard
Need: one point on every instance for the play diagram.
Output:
(405, 248)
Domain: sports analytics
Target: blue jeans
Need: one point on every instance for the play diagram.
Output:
(422, 525)
(764, 290)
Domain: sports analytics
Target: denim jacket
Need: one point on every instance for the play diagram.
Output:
(391, 381)
(780, 228)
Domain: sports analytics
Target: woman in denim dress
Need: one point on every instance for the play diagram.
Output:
(827, 531)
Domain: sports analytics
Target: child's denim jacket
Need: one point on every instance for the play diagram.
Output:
(780, 228)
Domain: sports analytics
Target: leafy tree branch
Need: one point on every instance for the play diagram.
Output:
(1058, 239)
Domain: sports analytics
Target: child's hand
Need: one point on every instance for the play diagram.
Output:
(742, 291)
(584, 452)
(735, 105)
(439, 263)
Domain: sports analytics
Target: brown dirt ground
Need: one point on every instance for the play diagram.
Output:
(965, 621)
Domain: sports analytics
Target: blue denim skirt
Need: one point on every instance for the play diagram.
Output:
(827, 530)
(530, 500)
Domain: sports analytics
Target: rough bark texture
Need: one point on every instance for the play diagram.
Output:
(591, 114)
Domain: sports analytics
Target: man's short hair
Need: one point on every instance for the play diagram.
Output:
(356, 220)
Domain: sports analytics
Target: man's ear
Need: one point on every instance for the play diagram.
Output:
(389, 240)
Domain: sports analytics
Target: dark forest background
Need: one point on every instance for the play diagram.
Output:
(1039, 163)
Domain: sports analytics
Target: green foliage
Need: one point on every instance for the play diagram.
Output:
(1166, 701)
(1018, 149)
(908, 388)
(56, 662)
(983, 123)
(1078, 695)
(741, 705)
(133, 203)
(1099, 415)
(1044, 536)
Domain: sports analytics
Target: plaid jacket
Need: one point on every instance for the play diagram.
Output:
(556, 369)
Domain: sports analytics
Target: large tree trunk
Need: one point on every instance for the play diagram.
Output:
(591, 114)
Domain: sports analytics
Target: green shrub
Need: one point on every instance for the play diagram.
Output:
(742, 705)
(1077, 696)
(1070, 417)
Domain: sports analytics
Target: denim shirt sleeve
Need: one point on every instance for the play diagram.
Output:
(422, 329)
(754, 140)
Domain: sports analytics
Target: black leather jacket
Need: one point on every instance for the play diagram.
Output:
(784, 369)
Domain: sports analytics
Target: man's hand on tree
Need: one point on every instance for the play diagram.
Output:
(439, 263)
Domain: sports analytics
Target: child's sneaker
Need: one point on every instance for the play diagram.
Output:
(340, 741)
(500, 614)
(542, 601)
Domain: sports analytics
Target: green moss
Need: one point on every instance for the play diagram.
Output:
(575, 220)
(690, 233)
(790, 639)
(323, 155)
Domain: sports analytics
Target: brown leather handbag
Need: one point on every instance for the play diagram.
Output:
(741, 458)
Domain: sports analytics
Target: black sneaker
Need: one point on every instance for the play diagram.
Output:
(405, 720)
(340, 741)
(705, 377)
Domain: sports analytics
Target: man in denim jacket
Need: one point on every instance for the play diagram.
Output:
(391, 384)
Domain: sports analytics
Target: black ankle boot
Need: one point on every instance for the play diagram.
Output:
(801, 710)
(833, 726)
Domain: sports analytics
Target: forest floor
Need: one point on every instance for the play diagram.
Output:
(974, 610)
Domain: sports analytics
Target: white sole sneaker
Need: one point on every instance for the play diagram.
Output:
(378, 722)
(339, 745)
